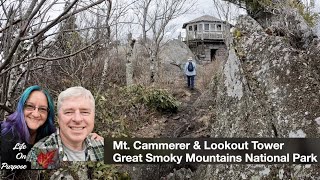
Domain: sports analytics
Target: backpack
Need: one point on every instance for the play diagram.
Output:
(190, 67)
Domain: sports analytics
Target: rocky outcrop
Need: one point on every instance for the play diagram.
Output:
(175, 52)
(173, 56)
(267, 88)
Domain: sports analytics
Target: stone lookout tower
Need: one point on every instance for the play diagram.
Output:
(205, 37)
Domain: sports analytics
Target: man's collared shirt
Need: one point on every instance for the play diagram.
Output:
(48, 153)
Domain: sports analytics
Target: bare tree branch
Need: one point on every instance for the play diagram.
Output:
(62, 17)
(17, 40)
(6, 108)
(49, 59)
(15, 22)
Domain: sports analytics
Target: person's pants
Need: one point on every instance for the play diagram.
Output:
(190, 80)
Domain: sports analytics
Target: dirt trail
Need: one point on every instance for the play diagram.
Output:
(187, 122)
(178, 124)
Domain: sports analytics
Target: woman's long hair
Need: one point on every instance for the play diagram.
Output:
(16, 124)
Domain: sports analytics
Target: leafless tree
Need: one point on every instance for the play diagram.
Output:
(26, 35)
(90, 68)
(113, 18)
(154, 17)
(226, 12)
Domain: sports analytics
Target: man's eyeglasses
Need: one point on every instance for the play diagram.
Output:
(42, 110)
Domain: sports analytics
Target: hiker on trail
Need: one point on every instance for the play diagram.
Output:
(190, 71)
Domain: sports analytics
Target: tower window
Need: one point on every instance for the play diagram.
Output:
(206, 27)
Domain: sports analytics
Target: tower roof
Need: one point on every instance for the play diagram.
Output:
(205, 18)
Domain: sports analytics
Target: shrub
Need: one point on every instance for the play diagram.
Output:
(120, 110)
(159, 99)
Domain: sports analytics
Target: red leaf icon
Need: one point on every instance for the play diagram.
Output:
(44, 159)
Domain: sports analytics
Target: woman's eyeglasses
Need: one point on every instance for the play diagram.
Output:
(42, 110)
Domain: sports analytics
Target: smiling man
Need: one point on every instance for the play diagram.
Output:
(71, 142)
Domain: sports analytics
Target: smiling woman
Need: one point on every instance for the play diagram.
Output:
(32, 121)
(35, 112)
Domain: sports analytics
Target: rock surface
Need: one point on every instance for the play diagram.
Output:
(267, 88)
(175, 52)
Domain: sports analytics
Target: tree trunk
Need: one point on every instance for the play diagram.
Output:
(152, 66)
(129, 69)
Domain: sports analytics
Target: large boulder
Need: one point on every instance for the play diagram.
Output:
(173, 55)
(267, 88)
(175, 52)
